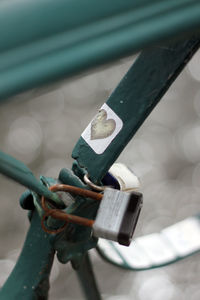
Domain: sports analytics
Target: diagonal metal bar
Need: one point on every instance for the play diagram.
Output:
(18, 171)
(134, 98)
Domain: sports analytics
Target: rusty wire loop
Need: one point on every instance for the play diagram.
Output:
(59, 214)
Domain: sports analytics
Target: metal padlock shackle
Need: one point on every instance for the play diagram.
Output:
(60, 215)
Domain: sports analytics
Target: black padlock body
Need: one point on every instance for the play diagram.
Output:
(130, 219)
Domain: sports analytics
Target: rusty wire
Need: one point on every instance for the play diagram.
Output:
(61, 215)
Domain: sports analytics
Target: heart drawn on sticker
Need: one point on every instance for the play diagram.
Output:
(102, 128)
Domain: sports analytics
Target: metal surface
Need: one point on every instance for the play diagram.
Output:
(18, 171)
(86, 278)
(30, 277)
(92, 185)
(31, 69)
(133, 100)
(43, 40)
(61, 215)
(117, 216)
(164, 154)
(161, 68)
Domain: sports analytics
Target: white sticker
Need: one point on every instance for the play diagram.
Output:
(102, 129)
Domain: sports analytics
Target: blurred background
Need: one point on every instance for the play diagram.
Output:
(41, 127)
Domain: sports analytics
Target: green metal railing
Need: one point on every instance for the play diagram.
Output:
(43, 41)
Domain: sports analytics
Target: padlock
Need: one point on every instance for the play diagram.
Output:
(121, 177)
(117, 216)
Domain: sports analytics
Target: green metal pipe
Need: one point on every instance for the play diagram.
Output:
(134, 98)
(92, 30)
(87, 279)
(22, 22)
(51, 54)
(30, 278)
(18, 171)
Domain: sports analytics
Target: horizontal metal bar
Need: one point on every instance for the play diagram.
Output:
(43, 40)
